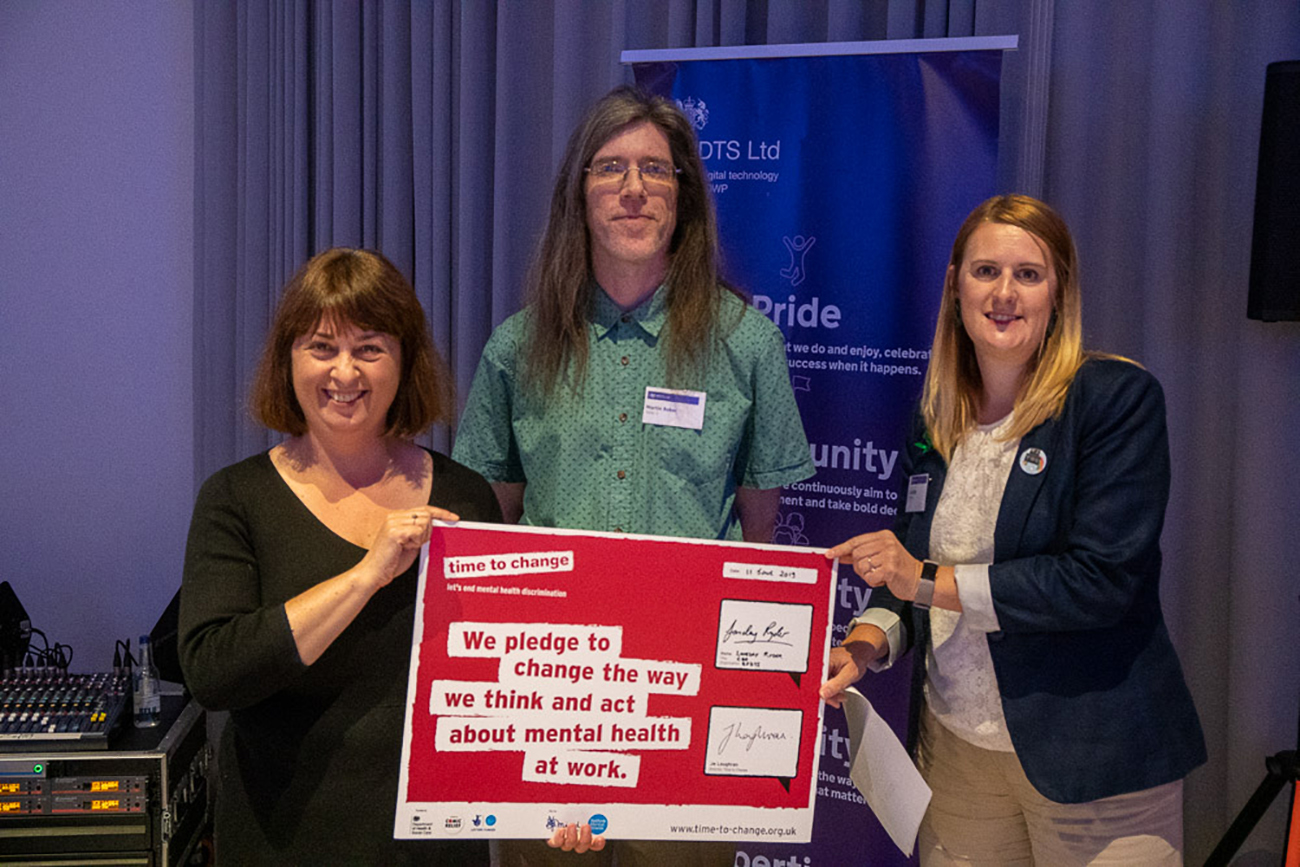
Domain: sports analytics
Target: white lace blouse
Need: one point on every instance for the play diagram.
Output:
(961, 688)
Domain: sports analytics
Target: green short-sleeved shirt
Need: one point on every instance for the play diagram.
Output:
(591, 464)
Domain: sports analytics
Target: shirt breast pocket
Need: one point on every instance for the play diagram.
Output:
(705, 456)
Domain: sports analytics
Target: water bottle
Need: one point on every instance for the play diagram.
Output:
(145, 683)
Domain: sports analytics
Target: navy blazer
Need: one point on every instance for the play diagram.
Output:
(1093, 693)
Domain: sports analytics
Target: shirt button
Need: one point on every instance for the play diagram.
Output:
(625, 319)
(622, 416)
(622, 475)
(625, 360)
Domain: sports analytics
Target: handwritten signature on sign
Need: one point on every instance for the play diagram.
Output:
(748, 738)
(772, 633)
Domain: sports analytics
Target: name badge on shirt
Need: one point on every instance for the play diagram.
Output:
(671, 407)
(917, 486)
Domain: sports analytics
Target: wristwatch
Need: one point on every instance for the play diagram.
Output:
(925, 590)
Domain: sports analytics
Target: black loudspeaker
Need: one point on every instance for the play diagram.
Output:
(1275, 251)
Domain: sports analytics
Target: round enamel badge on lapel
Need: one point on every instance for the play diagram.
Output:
(1033, 461)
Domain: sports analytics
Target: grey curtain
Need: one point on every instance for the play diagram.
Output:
(427, 130)
(1153, 137)
(430, 130)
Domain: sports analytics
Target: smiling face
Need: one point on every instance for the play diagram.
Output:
(1006, 287)
(345, 379)
(630, 222)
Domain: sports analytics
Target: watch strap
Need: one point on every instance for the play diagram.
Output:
(925, 589)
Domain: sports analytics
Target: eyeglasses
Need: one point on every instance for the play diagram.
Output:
(614, 173)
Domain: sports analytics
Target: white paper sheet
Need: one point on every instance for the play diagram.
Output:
(883, 772)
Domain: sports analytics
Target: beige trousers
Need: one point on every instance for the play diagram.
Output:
(986, 812)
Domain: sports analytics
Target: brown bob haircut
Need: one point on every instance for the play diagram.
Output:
(363, 289)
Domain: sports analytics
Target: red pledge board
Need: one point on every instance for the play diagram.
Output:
(658, 688)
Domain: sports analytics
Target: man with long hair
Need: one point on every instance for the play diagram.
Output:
(637, 392)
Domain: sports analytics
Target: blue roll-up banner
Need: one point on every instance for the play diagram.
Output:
(840, 182)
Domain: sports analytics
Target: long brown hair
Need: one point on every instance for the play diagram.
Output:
(364, 289)
(560, 283)
(950, 399)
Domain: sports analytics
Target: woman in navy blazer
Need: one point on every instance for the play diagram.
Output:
(1049, 710)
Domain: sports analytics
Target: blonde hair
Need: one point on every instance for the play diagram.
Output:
(950, 398)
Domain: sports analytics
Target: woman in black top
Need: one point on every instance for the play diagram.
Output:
(299, 589)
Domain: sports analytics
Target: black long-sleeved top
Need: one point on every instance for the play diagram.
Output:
(308, 765)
